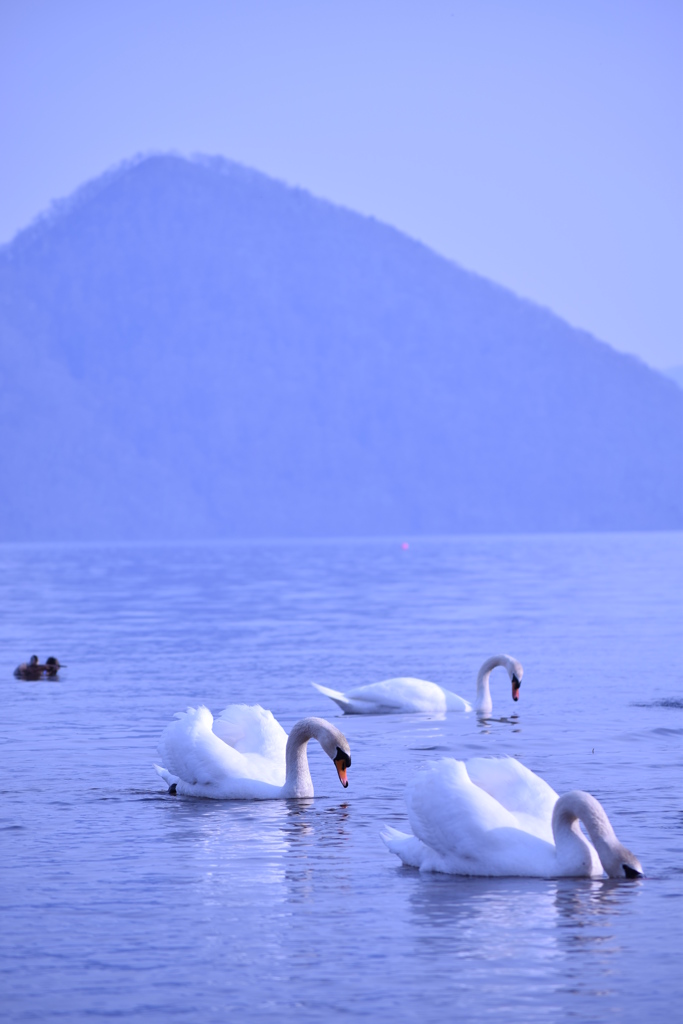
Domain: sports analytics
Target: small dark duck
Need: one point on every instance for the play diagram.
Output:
(33, 669)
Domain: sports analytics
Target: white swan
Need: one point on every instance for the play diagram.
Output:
(492, 816)
(244, 754)
(405, 694)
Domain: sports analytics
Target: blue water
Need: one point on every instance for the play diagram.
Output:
(119, 900)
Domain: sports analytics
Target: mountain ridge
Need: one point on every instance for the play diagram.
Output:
(325, 372)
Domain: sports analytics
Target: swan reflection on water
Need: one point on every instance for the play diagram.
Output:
(507, 915)
(271, 824)
(579, 901)
(255, 843)
(484, 723)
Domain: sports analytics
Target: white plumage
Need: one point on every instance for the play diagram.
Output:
(405, 694)
(244, 754)
(493, 816)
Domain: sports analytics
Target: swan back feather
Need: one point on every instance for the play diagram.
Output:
(403, 693)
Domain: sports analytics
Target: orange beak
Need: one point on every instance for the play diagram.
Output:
(340, 765)
(515, 692)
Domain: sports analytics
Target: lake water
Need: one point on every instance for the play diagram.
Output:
(119, 900)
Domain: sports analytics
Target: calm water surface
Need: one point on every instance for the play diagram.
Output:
(121, 901)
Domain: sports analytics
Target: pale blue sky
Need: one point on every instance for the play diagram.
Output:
(537, 142)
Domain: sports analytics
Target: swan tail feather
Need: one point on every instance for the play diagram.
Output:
(407, 847)
(169, 779)
(339, 698)
(456, 703)
(389, 834)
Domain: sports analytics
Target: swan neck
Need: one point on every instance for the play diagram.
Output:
(298, 776)
(579, 806)
(484, 704)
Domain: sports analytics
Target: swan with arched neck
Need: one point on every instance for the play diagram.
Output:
(494, 817)
(245, 754)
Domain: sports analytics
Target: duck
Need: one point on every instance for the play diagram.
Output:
(52, 667)
(31, 669)
(245, 754)
(495, 817)
(405, 694)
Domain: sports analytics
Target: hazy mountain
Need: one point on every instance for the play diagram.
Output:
(675, 373)
(191, 349)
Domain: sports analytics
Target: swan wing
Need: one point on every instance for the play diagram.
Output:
(448, 812)
(519, 790)
(252, 730)
(468, 831)
(402, 694)
(190, 750)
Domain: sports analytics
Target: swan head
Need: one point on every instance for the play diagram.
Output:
(336, 746)
(621, 863)
(515, 672)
